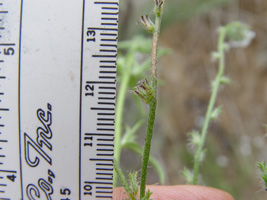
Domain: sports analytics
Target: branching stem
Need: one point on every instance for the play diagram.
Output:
(215, 88)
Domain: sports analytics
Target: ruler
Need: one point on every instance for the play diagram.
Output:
(57, 98)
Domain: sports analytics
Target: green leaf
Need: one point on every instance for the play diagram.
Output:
(263, 168)
(147, 196)
(225, 80)
(130, 136)
(216, 113)
(134, 182)
(133, 146)
(188, 175)
(194, 139)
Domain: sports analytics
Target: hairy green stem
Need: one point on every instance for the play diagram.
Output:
(149, 133)
(119, 109)
(215, 88)
(121, 177)
(152, 106)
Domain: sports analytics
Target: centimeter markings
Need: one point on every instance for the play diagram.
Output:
(101, 87)
(8, 54)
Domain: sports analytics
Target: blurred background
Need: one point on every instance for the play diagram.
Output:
(237, 140)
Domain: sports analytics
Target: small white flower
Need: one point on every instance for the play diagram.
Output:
(238, 34)
(248, 36)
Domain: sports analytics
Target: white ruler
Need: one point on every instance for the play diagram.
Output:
(57, 98)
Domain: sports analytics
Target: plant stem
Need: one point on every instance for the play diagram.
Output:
(149, 133)
(122, 177)
(215, 88)
(152, 106)
(119, 109)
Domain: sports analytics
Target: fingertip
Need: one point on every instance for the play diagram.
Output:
(188, 192)
(181, 192)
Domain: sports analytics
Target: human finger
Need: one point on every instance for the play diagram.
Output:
(179, 192)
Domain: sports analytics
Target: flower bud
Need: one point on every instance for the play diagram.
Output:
(147, 23)
(145, 91)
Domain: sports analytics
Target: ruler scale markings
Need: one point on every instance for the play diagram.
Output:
(99, 82)
(105, 129)
(108, 67)
(106, 103)
(109, 45)
(103, 197)
(107, 88)
(105, 119)
(104, 164)
(102, 175)
(108, 18)
(108, 72)
(103, 188)
(109, 8)
(105, 56)
(107, 77)
(103, 29)
(112, 93)
(100, 154)
(99, 134)
(102, 178)
(106, 145)
(105, 150)
(107, 50)
(98, 182)
(108, 13)
(93, 108)
(111, 113)
(8, 171)
(104, 2)
(105, 124)
(4, 109)
(109, 24)
(7, 44)
(105, 192)
(105, 169)
(107, 98)
(108, 34)
(108, 61)
(109, 40)
(110, 140)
